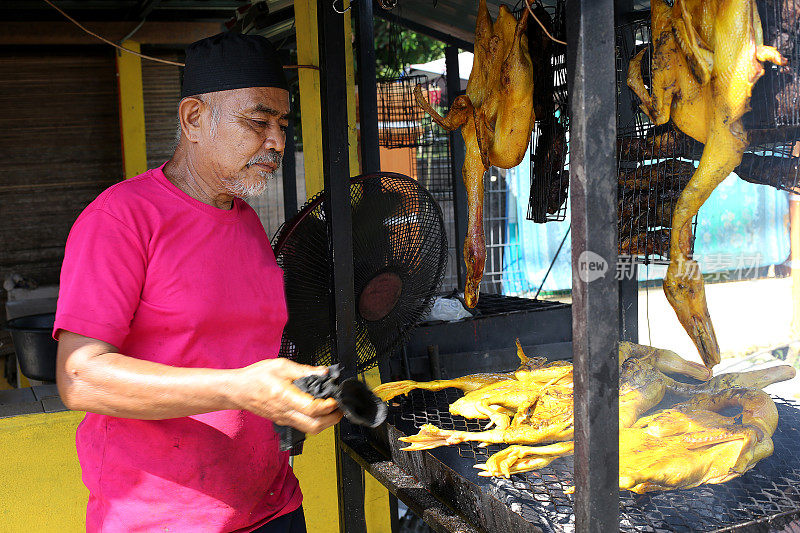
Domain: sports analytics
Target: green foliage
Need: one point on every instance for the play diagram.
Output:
(396, 48)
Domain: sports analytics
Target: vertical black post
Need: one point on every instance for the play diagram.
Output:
(593, 183)
(336, 171)
(367, 87)
(629, 282)
(289, 174)
(456, 162)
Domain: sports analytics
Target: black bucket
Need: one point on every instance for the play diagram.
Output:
(34, 344)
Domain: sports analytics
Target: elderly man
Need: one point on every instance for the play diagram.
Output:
(170, 316)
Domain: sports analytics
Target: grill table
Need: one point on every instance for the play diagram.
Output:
(767, 498)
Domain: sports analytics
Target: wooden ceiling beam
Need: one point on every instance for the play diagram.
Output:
(65, 33)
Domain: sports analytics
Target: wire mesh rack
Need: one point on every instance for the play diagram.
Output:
(770, 489)
(401, 121)
(773, 125)
(654, 163)
(432, 167)
(549, 149)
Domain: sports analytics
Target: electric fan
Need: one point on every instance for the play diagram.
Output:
(399, 257)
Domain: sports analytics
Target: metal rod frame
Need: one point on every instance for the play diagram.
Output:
(289, 174)
(367, 88)
(595, 297)
(456, 162)
(595, 311)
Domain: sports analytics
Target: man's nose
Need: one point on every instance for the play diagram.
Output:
(275, 139)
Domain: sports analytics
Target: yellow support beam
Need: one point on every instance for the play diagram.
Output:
(350, 77)
(131, 111)
(315, 468)
(305, 17)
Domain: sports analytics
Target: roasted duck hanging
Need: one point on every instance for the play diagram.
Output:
(496, 117)
(707, 55)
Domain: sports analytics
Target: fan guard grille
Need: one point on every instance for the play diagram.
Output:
(399, 251)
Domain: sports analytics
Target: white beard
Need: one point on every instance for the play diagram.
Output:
(241, 189)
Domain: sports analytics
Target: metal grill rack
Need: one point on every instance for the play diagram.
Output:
(770, 492)
(549, 149)
(654, 163)
(401, 122)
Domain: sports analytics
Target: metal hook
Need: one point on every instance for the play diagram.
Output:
(333, 5)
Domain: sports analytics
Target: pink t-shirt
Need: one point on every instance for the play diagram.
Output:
(164, 277)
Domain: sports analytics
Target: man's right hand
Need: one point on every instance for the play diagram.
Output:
(265, 388)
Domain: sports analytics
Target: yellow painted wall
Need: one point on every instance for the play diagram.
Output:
(40, 478)
(131, 111)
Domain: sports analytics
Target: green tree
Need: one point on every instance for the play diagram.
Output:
(396, 48)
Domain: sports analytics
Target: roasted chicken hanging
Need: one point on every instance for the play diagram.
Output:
(496, 117)
(707, 55)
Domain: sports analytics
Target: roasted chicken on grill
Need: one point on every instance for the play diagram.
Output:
(537, 406)
(387, 391)
(690, 443)
(677, 448)
(496, 116)
(707, 55)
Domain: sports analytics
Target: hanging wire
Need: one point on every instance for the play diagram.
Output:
(528, 4)
(553, 262)
(143, 56)
(115, 45)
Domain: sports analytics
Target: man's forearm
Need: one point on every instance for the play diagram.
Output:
(118, 385)
(93, 376)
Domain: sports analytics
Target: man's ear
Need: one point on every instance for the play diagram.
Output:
(189, 114)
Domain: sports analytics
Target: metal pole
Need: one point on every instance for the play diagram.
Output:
(336, 174)
(595, 292)
(289, 174)
(457, 152)
(367, 87)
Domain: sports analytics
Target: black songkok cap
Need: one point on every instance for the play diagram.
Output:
(231, 61)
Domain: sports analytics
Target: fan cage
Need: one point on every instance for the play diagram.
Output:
(401, 121)
(397, 228)
(549, 149)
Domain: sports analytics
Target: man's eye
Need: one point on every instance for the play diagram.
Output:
(259, 123)
(284, 127)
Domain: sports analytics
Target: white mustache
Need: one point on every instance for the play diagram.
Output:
(271, 157)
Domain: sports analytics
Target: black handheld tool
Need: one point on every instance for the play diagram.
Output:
(359, 405)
